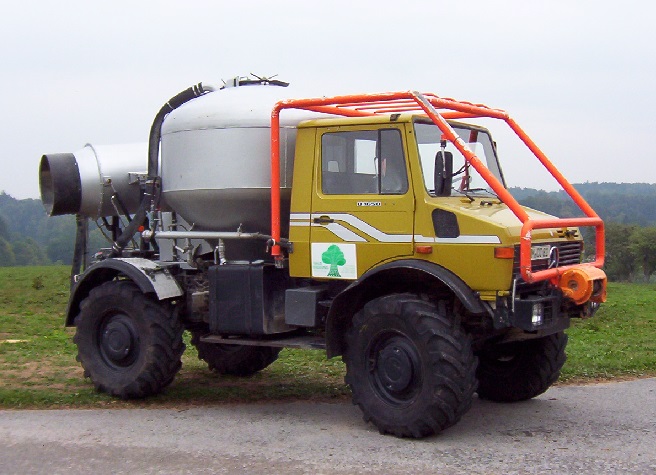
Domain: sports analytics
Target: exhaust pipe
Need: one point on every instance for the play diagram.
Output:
(84, 182)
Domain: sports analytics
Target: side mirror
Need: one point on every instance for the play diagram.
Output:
(443, 173)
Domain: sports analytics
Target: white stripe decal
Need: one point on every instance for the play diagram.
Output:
(368, 229)
(345, 234)
(303, 219)
(462, 239)
(341, 232)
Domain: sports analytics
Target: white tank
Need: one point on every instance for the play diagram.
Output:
(216, 160)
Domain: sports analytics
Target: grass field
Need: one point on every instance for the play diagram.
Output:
(38, 366)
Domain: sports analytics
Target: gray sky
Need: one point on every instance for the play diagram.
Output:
(578, 76)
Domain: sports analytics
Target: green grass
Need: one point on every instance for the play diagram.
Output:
(38, 366)
(618, 342)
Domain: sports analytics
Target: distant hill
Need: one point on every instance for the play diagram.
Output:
(28, 236)
(31, 237)
(623, 203)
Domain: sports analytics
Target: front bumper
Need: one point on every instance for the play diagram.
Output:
(535, 313)
(545, 312)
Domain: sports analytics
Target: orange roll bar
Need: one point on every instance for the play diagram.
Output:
(276, 251)
(440, 109)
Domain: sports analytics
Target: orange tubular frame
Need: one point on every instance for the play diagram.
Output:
(439, 110)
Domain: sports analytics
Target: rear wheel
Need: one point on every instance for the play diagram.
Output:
(129, 344)
(411, 369)
(235, 360)
(521, 370)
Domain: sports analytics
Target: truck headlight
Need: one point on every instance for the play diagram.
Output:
(537, 316)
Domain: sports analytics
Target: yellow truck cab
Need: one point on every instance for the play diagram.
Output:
(354, 219)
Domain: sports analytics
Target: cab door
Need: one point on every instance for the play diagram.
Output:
(362, 202)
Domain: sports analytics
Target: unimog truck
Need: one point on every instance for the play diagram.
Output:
(376, 227)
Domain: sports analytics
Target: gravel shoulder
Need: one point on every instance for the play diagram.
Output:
(601, 428)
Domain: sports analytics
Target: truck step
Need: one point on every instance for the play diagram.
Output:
(307, 342)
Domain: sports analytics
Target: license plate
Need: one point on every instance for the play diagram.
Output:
(540, 252)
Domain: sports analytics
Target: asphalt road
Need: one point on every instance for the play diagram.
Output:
(597, 429)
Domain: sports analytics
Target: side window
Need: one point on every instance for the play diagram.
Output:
(363, 162)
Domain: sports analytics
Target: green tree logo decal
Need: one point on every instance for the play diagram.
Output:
(333, 257)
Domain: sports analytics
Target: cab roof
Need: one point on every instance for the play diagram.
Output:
(329, 121)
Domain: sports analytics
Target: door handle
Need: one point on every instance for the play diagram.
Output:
(323, 220)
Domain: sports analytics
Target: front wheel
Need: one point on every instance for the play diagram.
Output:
(521, 370)
(410, 367)
(130, 345)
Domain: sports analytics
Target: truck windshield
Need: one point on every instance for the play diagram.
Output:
(465, 179)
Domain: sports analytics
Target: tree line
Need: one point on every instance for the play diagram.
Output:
(630, 252)
(629, 214)
(29, 237)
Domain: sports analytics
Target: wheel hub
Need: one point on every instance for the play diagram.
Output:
(395, 368)
(119, 340)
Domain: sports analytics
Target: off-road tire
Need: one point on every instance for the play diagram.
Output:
(409, 365)
(521, 370)
(129, 344)
(235, 360)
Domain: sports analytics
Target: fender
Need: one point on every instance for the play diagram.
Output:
(146, 274)
(405, 275)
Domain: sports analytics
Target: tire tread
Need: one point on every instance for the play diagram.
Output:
(452, 366)
(162, 357)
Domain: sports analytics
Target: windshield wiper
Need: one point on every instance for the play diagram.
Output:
(464, 192)
(486, 190)
(467, 192)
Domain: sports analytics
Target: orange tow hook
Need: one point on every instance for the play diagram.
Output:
(583, 284)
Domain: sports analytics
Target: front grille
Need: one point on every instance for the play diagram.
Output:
(570, 253)
(526, 295)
